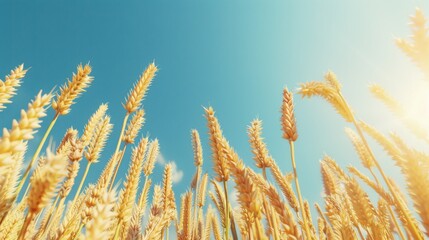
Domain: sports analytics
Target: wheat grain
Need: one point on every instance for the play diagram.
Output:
(134, 127)
(259, 149)
(9, 86)
(93, 121)
(98, 141)
(70, 91)
(153, 152)
(136, 95)
(288, 120)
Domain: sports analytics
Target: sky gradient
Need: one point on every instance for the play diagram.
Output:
(233, 55)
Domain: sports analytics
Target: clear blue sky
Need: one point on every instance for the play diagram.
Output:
(233, 55)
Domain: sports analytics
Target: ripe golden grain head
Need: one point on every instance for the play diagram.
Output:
(330, 94)
(198, 150)
(259, 149)
(98, 141)
(128, 194)
(217, 143)
(12, 140)
(288, 120)
(93, 122)
(151, 157)
(70, 91)
(134, 127)
(136, 95)
(9, 86)
(45, 180)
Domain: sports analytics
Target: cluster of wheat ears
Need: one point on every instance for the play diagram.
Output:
(269, 207)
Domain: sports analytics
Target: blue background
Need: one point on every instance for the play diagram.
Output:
(233, 55)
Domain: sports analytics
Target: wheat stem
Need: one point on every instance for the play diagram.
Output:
(36, 154)
(81, 183)
(141, 200)
(52, 214)
(268, 210)
(196, 207)
(298, 190)
(360, 232)
(225, 188)
(124, 123)
(24, 228)
(117, 230)
(117, 167)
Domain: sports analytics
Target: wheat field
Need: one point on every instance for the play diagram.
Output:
(270, 203)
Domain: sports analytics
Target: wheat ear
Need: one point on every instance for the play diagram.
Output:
(135, 97)
(128, 194)
(43, 186)
(417, 48)
(98, 227)
(12, 140)
(9, 86)
(153, 152)
(95, 148)
(259, 149)
(92, 123)
(134, 126)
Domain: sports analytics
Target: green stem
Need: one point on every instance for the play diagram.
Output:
(36, 154)
(298, 190)
(81, 183)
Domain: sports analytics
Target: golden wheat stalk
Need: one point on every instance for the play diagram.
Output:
(128, 194)
(284, 186)
(72, 89)
(153, 152)
(134, 127)
(92, 124)
(218, 145)
(288, 123)
(9, 182)
(43, 186)
(9, 86)
(418, 48)
(336, 99)
(92, 153)
(288, 120)
(62, 105)
(135, 97)
(328, 91)
(12, 141)
(131, 133)
(99, 227)
(259, 148)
